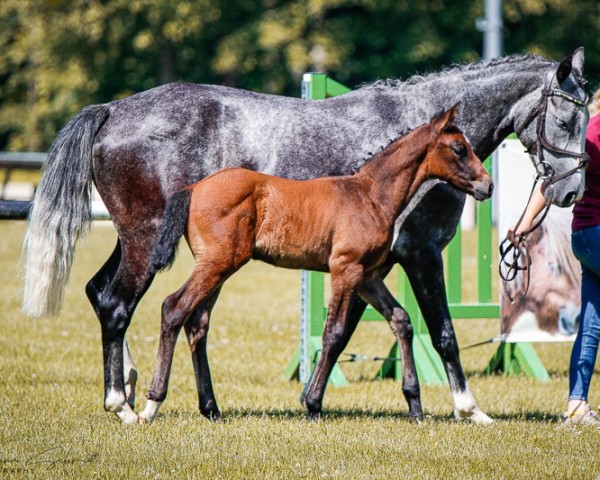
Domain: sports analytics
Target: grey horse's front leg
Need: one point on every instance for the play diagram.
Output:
(425, 232)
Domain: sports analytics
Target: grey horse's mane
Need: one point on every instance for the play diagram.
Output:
(400, 135)
(481, 68)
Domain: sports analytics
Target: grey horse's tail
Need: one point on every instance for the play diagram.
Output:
(176, 218)
(61, 213)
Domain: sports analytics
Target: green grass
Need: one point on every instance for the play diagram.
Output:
(52, 424)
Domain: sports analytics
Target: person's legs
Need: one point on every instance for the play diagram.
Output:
(586, 247)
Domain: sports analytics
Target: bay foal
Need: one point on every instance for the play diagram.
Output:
(341, 225)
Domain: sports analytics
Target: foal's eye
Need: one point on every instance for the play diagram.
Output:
(459, 149)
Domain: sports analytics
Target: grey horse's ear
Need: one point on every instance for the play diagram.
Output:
(578, 60)
(573, 62)
(564, 69)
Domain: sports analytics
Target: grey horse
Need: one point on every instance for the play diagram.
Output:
(140, 150)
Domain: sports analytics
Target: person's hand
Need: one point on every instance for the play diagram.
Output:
(515, 232)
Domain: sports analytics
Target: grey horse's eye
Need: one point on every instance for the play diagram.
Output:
(562, 124)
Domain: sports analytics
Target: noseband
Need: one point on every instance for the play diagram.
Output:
(517, 247)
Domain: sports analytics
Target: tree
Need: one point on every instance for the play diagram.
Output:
(56, 56)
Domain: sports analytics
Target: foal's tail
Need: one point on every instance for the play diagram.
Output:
(61, 213)
(175, 221)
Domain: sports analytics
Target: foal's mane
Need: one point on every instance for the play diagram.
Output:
(486, 68)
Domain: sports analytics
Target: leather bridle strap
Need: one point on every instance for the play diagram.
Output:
(509, 268)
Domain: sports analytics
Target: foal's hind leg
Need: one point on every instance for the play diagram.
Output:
(176, 309)
(192, 297)
(376, 293)
(196, 329)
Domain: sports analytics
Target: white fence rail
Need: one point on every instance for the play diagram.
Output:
(15, 197)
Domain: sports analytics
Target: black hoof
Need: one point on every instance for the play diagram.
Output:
(211, 411)
(314, 416)
(213, 416)
(416, 419)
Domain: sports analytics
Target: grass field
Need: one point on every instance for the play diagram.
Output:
(52, 424)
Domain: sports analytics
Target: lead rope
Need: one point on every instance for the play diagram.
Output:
(514, 250)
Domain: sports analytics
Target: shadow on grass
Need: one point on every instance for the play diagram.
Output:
(355, 414)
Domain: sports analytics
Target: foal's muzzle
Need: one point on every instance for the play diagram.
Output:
(483, 189)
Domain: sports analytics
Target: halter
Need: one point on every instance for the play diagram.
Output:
(517, 247)
(544, 170)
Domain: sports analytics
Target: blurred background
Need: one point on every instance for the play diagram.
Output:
(57, 56)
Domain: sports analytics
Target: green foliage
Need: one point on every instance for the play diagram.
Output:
(57, 56)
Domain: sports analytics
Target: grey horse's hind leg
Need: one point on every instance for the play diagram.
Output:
(114, 296)
(94, 289)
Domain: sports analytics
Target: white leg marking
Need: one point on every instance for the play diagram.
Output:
(130, 374)
(150, 412)
(465, 408)
(117, 403)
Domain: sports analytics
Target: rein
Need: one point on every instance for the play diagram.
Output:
(512, 250)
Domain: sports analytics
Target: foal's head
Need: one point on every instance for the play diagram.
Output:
(450, 157)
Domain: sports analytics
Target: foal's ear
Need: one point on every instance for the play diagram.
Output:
(446, 119)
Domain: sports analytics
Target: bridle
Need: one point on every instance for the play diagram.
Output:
(544, 170)
(517, 247)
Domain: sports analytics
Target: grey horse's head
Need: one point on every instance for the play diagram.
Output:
(556, 135)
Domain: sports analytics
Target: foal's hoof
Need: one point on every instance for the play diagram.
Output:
(144, 421)
(416, 419)
(213, 414)
(314, 416)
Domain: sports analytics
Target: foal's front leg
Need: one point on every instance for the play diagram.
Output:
(376, 293)
(335, 336)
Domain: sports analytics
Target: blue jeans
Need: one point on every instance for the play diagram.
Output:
(586, 247)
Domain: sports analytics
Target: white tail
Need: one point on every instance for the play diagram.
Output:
(61, 213)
